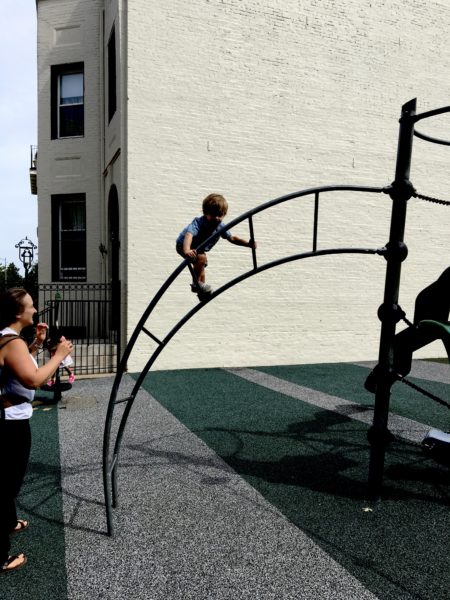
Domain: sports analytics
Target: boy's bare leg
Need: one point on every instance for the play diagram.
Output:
(199, 267)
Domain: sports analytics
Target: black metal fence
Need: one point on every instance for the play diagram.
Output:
(84, 313)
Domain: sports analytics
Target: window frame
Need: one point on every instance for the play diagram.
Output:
(112, 74)
(57, 72)
(59, 271)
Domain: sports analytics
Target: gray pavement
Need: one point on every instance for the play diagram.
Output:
(187, 527)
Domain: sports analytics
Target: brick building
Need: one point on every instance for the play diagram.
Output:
(146, 107)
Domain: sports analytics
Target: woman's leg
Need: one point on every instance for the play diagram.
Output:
(15, 443)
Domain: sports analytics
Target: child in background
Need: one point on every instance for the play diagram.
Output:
(65, 364)
(215, 207)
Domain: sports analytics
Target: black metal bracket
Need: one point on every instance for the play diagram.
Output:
(392, 313)
(396, 251)
(401, 190)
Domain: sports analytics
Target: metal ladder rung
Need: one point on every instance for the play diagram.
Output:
(154, 338)
(124, 400)
(252, 237)
(112, 465)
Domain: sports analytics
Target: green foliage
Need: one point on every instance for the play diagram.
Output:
(11, 277)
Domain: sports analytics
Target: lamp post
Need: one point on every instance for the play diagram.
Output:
(26, 255)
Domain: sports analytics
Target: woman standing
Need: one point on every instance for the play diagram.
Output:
(19, 377)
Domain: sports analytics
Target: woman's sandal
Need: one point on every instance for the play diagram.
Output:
(14, 562)
(20, 526)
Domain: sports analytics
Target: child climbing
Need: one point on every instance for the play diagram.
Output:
(215, 207)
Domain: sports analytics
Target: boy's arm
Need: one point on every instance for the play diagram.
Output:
(187, 245)
(234, 239)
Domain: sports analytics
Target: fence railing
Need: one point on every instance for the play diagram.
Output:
(83, 313)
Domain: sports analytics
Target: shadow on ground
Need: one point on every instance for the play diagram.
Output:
(311, 464)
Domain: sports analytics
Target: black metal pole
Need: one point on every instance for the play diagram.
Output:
(400, 192)
(316, 220)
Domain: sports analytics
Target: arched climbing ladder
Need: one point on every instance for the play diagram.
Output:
(111, 456)
(395, 252)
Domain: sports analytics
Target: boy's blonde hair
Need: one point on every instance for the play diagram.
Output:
(215, 205)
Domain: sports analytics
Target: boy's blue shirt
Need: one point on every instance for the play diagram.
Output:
(201, 230)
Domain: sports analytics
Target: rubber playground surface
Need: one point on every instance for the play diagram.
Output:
(237, 483)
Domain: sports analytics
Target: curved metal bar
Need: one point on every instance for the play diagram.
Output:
(414, 118)
(234, 222)
(110, 469)
(227, 286)
(293, 196)
(186, 318)
(224, 288)
(431, 113)
(428, 138)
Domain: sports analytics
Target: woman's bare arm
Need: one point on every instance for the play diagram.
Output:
(16, 357)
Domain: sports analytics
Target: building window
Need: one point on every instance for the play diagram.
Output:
(112, 98)
(67, 101)
(69, 237)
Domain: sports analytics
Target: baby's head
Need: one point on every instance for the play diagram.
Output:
(215, 206)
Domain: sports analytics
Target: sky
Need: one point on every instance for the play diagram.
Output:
(18, 126)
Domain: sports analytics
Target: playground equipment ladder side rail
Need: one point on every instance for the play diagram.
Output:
(110, 467)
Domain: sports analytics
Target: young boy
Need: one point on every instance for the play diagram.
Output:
(215, 208)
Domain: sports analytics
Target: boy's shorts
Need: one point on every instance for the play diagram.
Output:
(179, 249)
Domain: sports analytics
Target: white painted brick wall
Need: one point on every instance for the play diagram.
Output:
(257, 99)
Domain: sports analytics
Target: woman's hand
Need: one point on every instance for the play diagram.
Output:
(64, 348)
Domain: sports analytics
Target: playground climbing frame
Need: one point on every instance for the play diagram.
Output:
(395, 252)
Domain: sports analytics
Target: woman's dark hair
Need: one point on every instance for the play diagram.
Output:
(11, 305)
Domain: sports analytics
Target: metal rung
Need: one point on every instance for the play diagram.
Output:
(124, 400)
(252, 237)
(113, 464)
(154, 338)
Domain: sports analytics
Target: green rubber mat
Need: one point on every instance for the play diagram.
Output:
(40, 501)
(347, 381)
(312, 464)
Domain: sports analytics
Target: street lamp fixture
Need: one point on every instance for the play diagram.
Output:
(26, 254)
